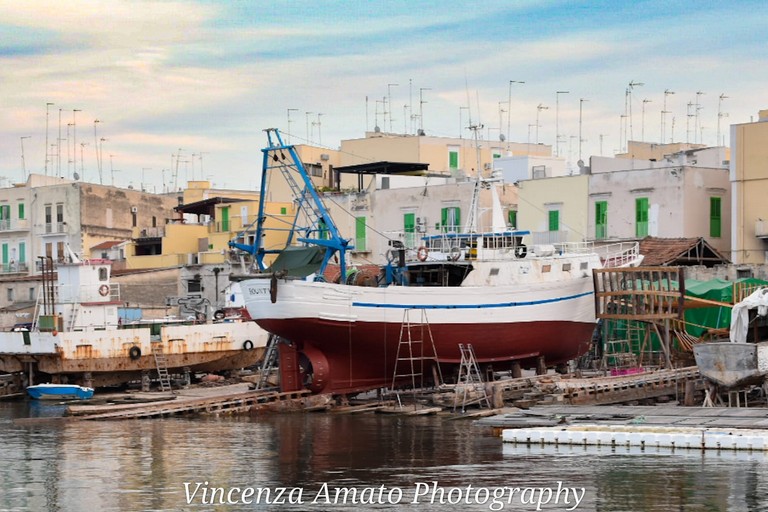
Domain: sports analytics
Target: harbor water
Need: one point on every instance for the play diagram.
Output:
(326, 461)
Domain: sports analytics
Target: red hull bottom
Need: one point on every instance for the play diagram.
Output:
(327, 357)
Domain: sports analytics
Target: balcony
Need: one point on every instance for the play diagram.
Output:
(14, 268)
(54, 227)
(14, 225)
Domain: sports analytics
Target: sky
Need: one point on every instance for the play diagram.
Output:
(159, 92)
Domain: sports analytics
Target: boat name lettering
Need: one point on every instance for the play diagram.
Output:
(258, 291)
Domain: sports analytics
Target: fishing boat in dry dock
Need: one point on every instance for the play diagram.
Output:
(77, 337)
(509, 301)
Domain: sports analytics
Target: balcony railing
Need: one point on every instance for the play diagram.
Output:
(54, 227)
(14, 224)
(14, 268)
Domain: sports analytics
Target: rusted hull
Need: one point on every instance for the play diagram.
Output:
(337, 357)
(109, 371)
(732, 364)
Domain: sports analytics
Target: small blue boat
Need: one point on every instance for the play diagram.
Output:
(59, 392)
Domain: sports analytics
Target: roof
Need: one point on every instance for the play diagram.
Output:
(679, 251)
(107, 245)
(415, 169)
(207, 206)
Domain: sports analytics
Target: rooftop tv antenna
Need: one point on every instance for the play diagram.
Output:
(539, 108)
(47, 106)
(664, 112)
(509, 110)
(389, 101)
(289, 121)
(628, 106)
(720, 115)
(696, 121)
(23, 163)
(557, 120)
(421, 108)
(642, 120)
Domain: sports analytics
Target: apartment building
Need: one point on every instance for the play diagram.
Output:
(749, 186)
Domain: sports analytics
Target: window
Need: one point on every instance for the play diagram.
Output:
(225, 218)
(554, 220)
(10, 294)
(59, 217)
(450, 219)
(512, 218)
(384, 182)
(102, 274)
(409, 227)
(32, 293)
(48, 218)
(134, 219)
(601, 220)
(715, 216)
(5, 216)
(194, 286)
(154, 221)
(641, 217)
(60, 251)
(453, 158)
(21, 211)
(322, 230)
(283, 210)
(360, 234)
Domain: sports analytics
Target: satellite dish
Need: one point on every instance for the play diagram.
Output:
(502, 138)
(377, 129)
(76, 176)
(421, 132)
(580, 163)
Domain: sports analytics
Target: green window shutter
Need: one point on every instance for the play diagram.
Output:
(601, 219)
(5, 212)
(283, 210)
(641, 217)
(22, 252)
(322, 230)
(715, 217)
(554, 220)
(409, 222)
(21, 210)
(360, 234)
(453, 159)
(512, 218)
(450, 218)
(225, 218)
(5, 254)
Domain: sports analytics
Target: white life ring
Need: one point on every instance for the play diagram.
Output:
(454, 253)
(104, 290)
(422, 253)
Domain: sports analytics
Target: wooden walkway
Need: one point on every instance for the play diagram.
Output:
(218, 404)
(659, 415)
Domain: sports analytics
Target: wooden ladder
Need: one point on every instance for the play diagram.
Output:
(161, 362)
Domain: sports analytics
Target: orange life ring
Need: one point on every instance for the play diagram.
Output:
(103, 290)
(422, 253)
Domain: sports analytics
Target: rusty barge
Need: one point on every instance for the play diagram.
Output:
(77, 337)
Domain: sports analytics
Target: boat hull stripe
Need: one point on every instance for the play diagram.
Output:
(471, 306)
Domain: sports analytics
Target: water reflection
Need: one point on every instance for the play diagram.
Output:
(143, 464)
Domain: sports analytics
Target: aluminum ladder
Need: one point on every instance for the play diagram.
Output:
(270, 360)
(469, 378)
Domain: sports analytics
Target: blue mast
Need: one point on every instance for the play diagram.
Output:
(315, 228)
